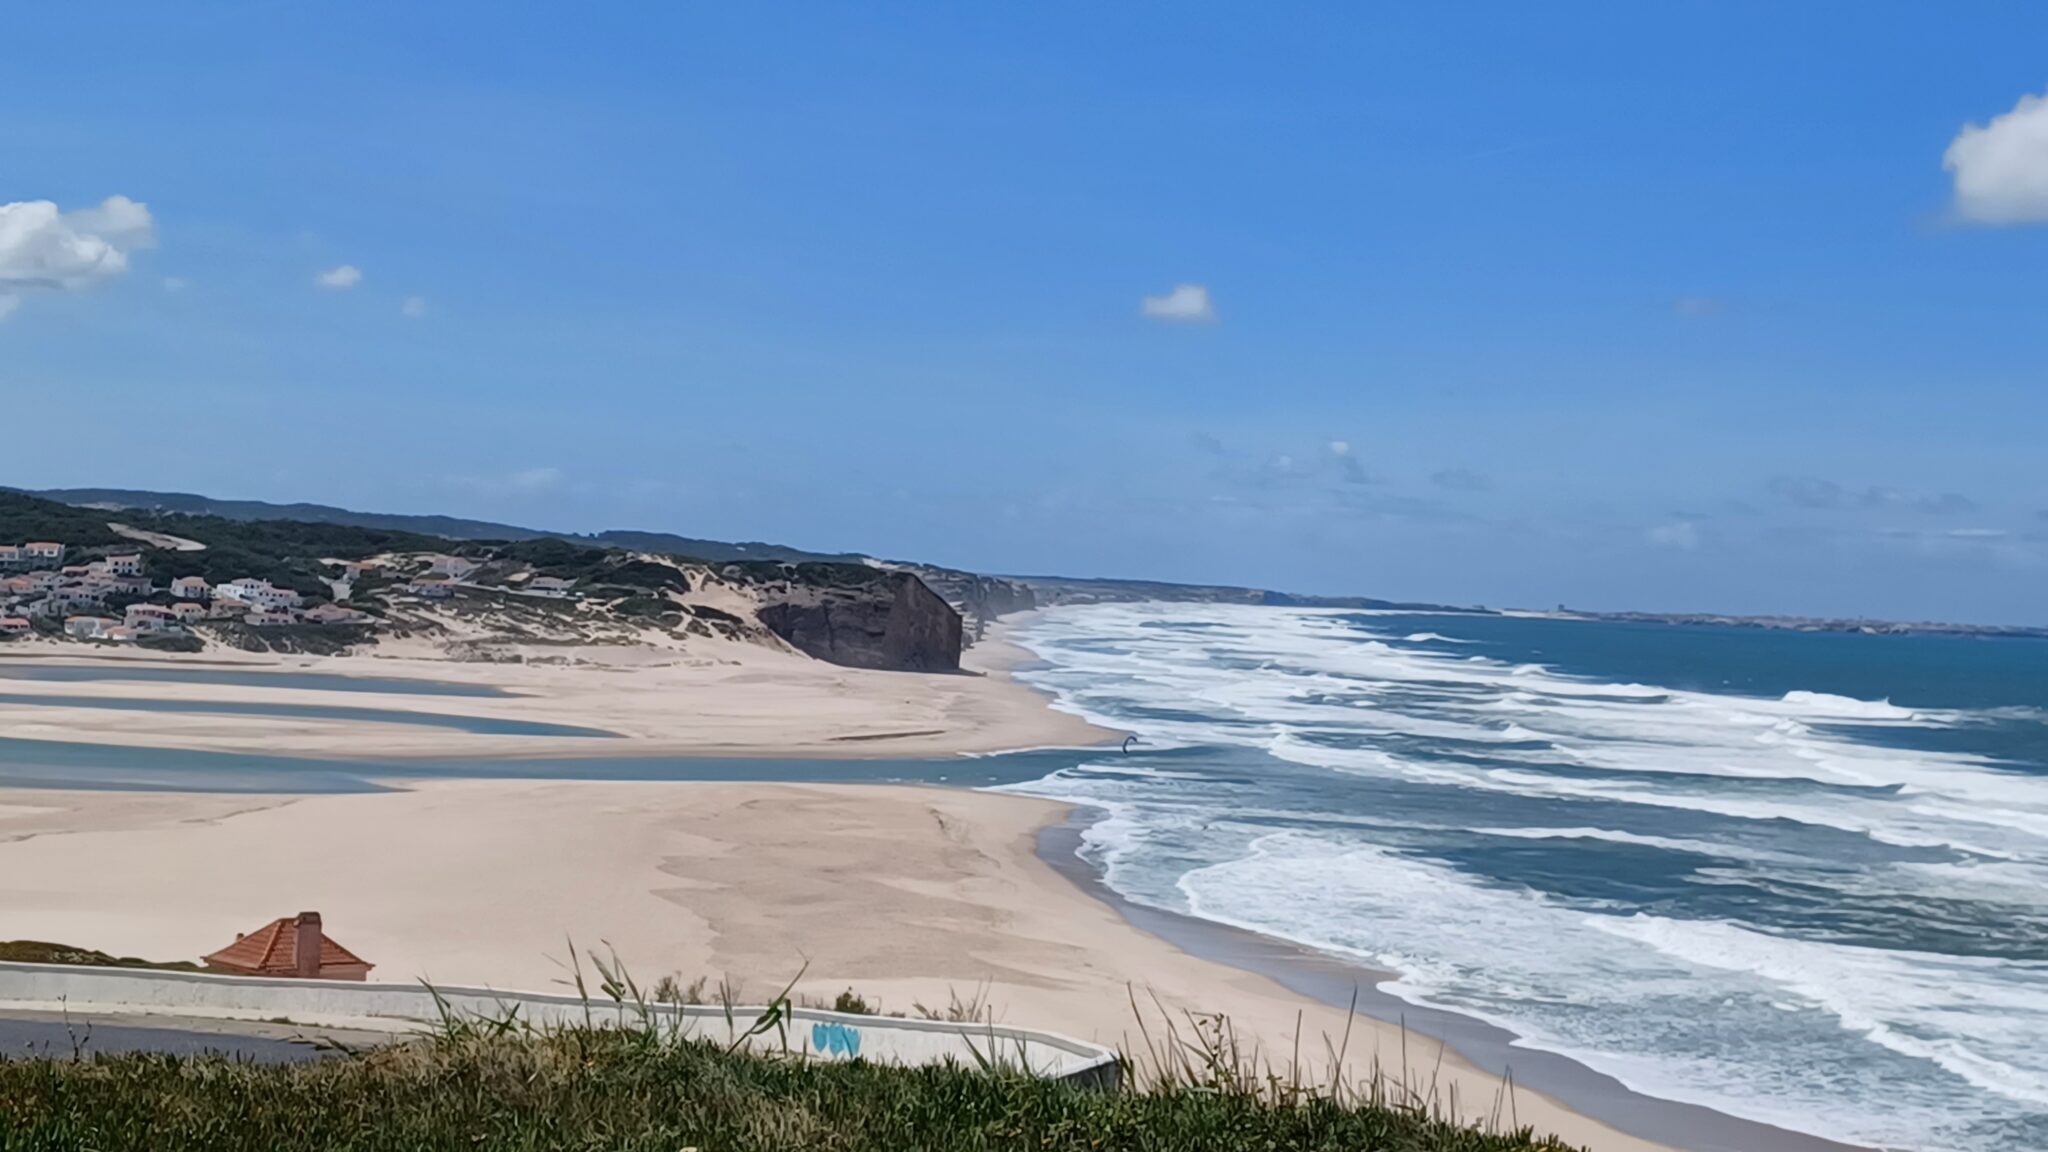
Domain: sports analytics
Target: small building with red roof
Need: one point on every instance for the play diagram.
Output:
(290, 946)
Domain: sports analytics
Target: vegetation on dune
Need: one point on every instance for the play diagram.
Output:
(809, 574)
(286, 553)
(589, 567)
(544, 590)
(44, 952)
(24, 518)
(446, 527)
(631, 1090)
(304, 639)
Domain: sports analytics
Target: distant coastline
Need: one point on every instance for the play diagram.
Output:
(1059, 590)
(982, 598)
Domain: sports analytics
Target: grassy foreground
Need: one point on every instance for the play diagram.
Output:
(619, 1090)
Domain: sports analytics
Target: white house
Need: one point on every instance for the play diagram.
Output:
(256, 593)
(550, 586)
(190, 588)
(186, 611)
(87, 627)
(14, 626)
(79, 592)
(150, 618)
(125, 565)
(270, 617)
(44, 552)
(12, 556)
(431, 588)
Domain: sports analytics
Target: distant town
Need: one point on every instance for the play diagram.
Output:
(110, 595)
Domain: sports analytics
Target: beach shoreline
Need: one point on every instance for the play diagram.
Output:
(1342, 983)
(1004, 862)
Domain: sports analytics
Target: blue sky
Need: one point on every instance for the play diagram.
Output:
(1618, 305)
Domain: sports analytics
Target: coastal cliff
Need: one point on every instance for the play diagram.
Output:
(863, 618)
(980, 600)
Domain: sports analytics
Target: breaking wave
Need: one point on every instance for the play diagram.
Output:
(1812, 904)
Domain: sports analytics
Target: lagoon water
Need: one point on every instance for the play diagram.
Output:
(115, 767)
(478, 725)
(193, 673)
(1801, 878)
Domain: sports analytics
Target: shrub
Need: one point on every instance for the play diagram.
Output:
(629, 1091)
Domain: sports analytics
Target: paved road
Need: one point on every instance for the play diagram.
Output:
(45, 1034)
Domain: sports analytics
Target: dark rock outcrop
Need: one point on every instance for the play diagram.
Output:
(863, 618)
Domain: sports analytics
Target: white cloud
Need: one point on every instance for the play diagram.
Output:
(176, 283)
(1186, 304)
(1679, 534)
(344, 277)
(2001, 168)
(414, 307)
(1340, 447)
(119, 221)
(43, 249)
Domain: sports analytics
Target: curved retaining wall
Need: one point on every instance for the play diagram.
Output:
(406, 1007)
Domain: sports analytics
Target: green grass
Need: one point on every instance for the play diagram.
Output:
(656, 1084)
(627, 1091)
(44, 952)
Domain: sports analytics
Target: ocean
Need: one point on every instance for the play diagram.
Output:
(1797, 877)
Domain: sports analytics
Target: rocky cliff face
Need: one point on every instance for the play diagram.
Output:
(863, 618)
(980, 600)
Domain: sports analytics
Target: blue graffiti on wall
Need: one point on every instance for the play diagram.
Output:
(835, 1038)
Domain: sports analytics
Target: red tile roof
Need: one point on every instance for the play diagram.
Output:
(273, 950)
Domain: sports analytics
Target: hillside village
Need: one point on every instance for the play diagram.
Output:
(175, 583)
(114, 597)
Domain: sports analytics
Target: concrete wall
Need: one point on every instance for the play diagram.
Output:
(406, 1007)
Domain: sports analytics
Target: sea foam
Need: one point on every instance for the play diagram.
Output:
(1335, 784)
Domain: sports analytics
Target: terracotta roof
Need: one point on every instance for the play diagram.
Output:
(273, 950)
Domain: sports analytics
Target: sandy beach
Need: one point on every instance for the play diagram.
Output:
(906, 895)
(717, 698)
